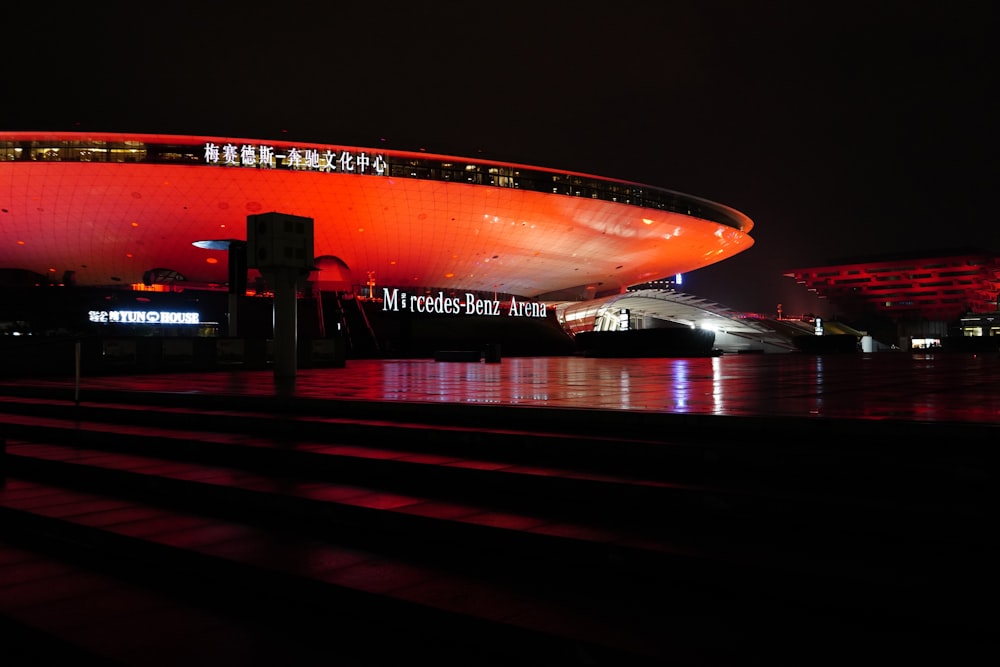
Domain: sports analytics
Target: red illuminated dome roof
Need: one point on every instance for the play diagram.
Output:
(108, 209)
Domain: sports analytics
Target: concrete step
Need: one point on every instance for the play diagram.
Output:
(59, 611)
(450, 525)
(715, 452)
(511, 467)
(499, 552)
(230, 564)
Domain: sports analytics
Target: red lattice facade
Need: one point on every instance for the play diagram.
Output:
(932, 287)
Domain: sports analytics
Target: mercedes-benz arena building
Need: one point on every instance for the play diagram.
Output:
(150, 213)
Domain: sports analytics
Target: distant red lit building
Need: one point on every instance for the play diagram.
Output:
(937, 287)
(137, 233)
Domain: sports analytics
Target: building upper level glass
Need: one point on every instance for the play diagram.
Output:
(280, 155)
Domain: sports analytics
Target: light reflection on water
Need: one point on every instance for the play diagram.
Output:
(679, 384)
(718, 397)
(923, 386)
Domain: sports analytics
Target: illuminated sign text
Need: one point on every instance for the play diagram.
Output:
(143, 317)
(395, 301)
(307, 159)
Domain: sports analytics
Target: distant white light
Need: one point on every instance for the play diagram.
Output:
(217, 244)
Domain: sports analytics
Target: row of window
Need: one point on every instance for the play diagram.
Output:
(390, 165)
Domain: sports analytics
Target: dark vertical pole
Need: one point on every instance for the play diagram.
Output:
(237, 283)
(76, 372)
(283, 282)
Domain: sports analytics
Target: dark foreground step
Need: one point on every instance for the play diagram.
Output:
(900, 513)
(849, 540)
(464, 545)
(623, 497)
(931, 478)
(233, 566)
(834, 575)
(367, 607)
(816, 449)
(55, 612)
(264, 588)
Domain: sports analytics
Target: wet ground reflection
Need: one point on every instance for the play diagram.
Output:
(899, 385)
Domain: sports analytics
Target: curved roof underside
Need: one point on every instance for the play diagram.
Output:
(112, 222)
(665, 308)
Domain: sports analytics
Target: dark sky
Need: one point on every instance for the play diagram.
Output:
(842, 129)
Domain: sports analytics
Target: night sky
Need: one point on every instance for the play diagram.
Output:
(843, 130)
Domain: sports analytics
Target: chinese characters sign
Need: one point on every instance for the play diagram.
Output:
(304, 159)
